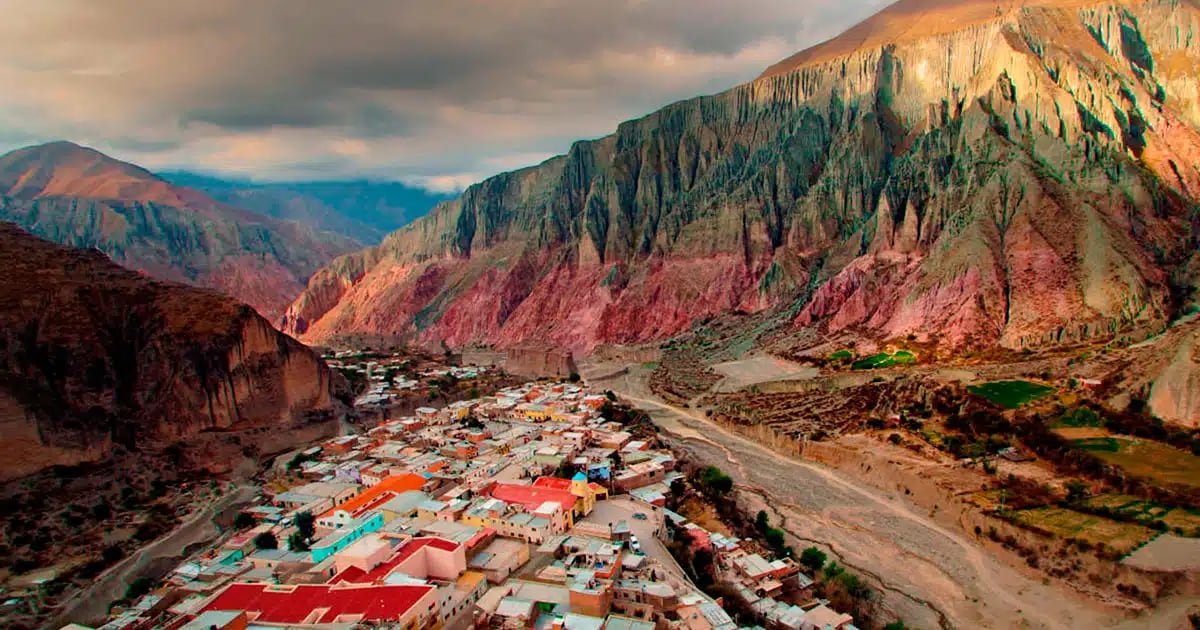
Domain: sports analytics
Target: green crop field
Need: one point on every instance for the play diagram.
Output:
(883, 360)
(1147, 459)
(1073, 525)
(1011, 394)
(1124, 506)
(841, 355)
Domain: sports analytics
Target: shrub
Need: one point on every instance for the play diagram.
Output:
(266, 540)
(813, 559)
(243, 520)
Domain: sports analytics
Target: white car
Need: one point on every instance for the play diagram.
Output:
(634, 544)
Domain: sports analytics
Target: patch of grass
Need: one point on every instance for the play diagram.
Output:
(1098, 444)
(1011, 394)
(1127, 507)
(1073, 525)
(1149, 460)
(1079, 417)
(884, 360)
(841, 355)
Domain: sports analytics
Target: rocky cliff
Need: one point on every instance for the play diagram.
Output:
(82, 198)
(974, 173)
(94, 356)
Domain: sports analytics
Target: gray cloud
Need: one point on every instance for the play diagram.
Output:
(435, 92)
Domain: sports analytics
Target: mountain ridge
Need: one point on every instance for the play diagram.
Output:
(986, 185)
(364, 210)
(80, 197)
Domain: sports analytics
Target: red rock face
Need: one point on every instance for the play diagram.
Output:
(93, 355)
(1018, 174)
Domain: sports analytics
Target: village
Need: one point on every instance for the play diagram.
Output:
(529, 508)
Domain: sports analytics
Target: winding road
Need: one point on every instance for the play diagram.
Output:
(91, 604)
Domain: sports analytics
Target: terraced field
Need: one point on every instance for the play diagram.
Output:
(1096, 530)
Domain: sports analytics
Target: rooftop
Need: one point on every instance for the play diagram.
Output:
(309, 604)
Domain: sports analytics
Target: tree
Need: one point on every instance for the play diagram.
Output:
(1076, 490)
(139, 587)
(813, 559)
(896, 625)
(608, 393)
(266, 540)
(304, 523)
(243, 520)
(574, 377)
(762, 521)
(775, 540)
(297, 542)
(712, 478)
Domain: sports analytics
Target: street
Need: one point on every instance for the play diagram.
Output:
(622, 508)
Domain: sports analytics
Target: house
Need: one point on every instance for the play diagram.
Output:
(822, 617)
(403, 605)
(587, 493)
(372, 498)
(424, 557)
(218, 620)
(347, 535)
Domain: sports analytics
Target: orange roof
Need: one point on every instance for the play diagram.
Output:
(532, 497)
(394, 485)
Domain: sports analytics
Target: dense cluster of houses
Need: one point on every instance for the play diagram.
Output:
(476, 514)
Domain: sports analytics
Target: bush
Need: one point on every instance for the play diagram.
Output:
(297, 542)
(139, 587)
(304, 523)
(813, 559)
(712, 478)
(266, 540)
(243, 520)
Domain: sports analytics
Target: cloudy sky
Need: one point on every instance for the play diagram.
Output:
(438, 92)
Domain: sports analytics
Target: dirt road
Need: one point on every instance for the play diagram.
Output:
(929, 575)
(91, 605)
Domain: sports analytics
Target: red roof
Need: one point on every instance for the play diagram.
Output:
(389, 487)
(558, 483)
(266, 603)
(355, 575)
(532, 497)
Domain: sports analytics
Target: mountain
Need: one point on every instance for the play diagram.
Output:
(365, 211)
(979, 173)
(94, 357)
(82, 198)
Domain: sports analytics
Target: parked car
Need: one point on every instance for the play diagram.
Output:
(641, 516)
(635, 545)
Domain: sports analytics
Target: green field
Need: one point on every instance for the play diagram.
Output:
(1107, 444)
(1146, 459)
(1072, 525)
(841, 355)
(1011, 394)
(883, 360)
(1124, 506)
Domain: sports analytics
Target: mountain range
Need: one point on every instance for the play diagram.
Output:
(80, 197)
(969, 173)
(360, 209)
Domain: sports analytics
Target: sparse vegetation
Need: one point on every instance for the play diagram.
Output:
(885, 360)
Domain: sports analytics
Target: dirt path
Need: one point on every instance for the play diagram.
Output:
(930, 575)
(91, 604)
